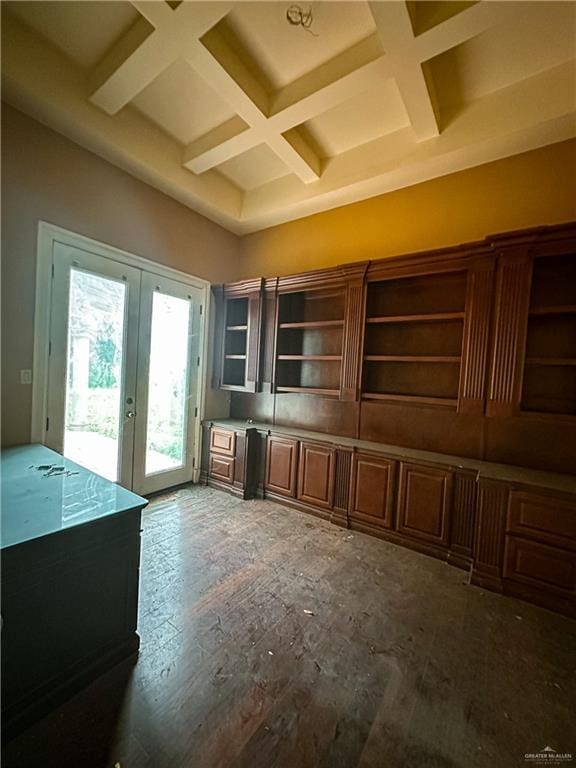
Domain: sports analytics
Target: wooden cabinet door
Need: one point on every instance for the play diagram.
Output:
(222, 441)
(281, 465)
(543, 518)
(372, 489)
(222, 468)
(316, 474)
(424, 503)
(549, 569)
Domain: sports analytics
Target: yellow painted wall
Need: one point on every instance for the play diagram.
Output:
(527, 190)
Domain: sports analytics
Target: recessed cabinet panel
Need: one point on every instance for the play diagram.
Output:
(316, 474)
(222, 441)
(424, 503)
(281, 465)
(372, 491)
(541, 566)
(545, 518)
(222, 468)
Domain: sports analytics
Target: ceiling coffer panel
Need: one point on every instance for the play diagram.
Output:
(261, 112)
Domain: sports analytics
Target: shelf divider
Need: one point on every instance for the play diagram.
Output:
(313, 324)
(452, 402)
(412, 358)
(310, 391)
(558, 361)
(312, 358)
(430, 317)
(559, 309)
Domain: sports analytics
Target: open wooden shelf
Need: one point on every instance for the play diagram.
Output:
(427, 318)
(311, 358)
(549, 376)
(560, 309)
(413, 339)
(448, 401)
(313, 324)
(310, 342)
(310, 391)
(551, 361)
(412, 358)
(235, 347)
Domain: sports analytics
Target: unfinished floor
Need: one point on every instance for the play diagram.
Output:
(271, 639)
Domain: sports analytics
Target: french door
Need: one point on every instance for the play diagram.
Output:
(124, 354)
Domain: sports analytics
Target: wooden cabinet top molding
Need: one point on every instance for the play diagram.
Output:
(534, 235)
(418, 262)
(243, 287)
(322, 278)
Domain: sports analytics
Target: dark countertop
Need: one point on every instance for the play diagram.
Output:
(485, 470)
(35, 505)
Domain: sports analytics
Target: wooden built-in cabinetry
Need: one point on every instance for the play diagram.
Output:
(230, 458)
(513, 529)
(282, 465)
(316, 474)
(466, 352)
(533, 371)
(239, 324)
(372, 489)
(424, 499)
(309, 342)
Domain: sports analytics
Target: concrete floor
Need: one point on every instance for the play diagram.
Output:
(271, 639)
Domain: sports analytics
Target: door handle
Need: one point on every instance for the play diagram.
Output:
(130, 414)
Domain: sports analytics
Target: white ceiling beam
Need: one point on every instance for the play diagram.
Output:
(157, 13)
(137, 71)
(395, 30)
(205, 152)
(133, 63)
(305, 99)
(462, 27)
(303, 163)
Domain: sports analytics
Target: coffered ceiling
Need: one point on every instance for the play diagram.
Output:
(253, 120)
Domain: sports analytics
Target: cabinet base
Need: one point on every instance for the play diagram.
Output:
(235, 490)
(556, 603)
(336, 516)
(401, 540)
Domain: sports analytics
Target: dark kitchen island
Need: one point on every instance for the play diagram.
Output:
(70, 570)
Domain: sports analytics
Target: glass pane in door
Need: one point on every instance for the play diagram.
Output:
(92, 426)
(168, 384)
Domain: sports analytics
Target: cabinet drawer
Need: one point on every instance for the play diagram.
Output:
(281, 465)
(223, 441)
(548, 568)
(372, 489)
(543, 518)
(316, 474)
(424, 503)
(222, 468)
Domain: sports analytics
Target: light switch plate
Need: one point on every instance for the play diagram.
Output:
(25, 376)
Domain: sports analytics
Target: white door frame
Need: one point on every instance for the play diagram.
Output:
(143, 483)
(67, 259)
(48, 234)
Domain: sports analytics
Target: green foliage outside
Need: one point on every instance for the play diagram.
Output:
(103, 359)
